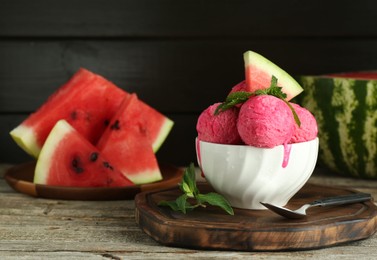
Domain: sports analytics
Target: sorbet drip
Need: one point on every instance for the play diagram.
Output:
(287, 152)
(199, 156)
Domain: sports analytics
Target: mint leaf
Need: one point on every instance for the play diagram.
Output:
(172, 204)
(191, 179)
(186, 189)
(273, 90)
(188, 184)
(274, 82)
(182, 202)
(297, 119)
(240, 97)
(232, 100)
(215, 199)
(190, 191)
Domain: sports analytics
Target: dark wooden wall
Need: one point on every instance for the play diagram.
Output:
(178, 56)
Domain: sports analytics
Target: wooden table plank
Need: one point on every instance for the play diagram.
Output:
(41, 228)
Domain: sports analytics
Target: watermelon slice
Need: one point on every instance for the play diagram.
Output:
(259, 71)
(158, 125)
(87, 101)
(69, 159)
(126, 142)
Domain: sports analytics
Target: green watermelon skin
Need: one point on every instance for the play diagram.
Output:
(69, 159)
(127, 143)
(345, 109)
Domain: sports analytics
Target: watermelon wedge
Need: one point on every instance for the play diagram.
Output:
(69, 159)
(259, 71)
(158, 125)
(87, 101)
(126, 142)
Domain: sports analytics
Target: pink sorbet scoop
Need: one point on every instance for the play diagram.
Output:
(265, 121)
(308, 129)
(220, 128)
(239, 87)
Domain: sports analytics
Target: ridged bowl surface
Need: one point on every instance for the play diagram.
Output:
(247, 175)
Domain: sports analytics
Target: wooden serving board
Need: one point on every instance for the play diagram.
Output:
(256, 230)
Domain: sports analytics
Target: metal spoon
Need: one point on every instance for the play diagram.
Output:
(330, 201)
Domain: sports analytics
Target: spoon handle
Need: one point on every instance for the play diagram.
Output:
(343, 199)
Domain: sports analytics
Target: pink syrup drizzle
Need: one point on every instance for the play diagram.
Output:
(287, 152)
(199, 157)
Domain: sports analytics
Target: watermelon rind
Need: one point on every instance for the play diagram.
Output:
(289, 85)
(142, 179)
(25, 138)
(86, 101)
(345, 110)
(165, 129)
(67, 158)
(158, 125)
(127, 143)
(54, 138)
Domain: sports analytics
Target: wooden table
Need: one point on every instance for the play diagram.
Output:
(36, 228)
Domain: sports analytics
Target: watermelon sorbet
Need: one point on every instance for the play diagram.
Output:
(265, 121)
(239, 87)
(308, 128)
(262, 121)
(220, 128)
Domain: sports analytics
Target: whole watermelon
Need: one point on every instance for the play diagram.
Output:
(345, 107)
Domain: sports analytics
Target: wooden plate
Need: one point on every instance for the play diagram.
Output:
(256, 230)
(20, 178)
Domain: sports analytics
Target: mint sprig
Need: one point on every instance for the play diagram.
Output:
(273, 90)
(232, 100)
(295, 116)
(240, 97)
(192, 198)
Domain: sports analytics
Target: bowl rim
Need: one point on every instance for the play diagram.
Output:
(256, 147)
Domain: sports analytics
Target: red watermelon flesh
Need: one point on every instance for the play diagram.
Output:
(69, 159)
(259, 71)
(367, 75)
(158, 125)
(87, 101)
(126, 142)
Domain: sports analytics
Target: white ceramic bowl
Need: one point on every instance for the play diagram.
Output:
(247, 175)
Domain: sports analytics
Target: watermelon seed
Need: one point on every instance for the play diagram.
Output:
(115, 126)
(142, 129)
(93, 156)
(74, 115)
(76, 165)
(108, 165)
(106, 122)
